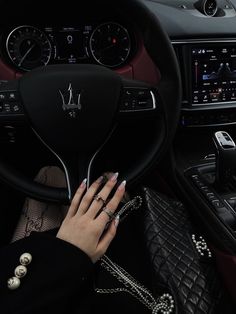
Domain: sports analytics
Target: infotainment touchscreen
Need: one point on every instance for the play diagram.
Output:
(213, 74)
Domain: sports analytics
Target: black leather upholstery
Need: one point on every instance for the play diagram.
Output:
(192, 279)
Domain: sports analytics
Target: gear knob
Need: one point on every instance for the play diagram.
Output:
(225, 157)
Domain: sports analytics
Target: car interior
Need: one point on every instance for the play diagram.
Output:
(146, 88)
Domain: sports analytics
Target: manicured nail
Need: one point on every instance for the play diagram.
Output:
(122, 185)
(99, 180)
(114, 177)
(83, 184)
(116, 221)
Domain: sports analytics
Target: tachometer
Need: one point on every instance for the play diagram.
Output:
(110, 44)
(28, 47)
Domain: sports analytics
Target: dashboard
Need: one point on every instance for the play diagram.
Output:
(203, 34)
(109, 43)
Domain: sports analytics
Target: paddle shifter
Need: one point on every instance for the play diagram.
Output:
(225, 157)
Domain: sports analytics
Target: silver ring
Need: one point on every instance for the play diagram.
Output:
(98, 198)
(108, 212)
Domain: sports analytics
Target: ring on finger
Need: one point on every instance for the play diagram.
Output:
(108, 212)
(98, 198)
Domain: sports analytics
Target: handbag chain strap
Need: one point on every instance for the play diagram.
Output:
(163, 304)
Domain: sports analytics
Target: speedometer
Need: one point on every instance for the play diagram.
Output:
(110, 44)
(28, 47)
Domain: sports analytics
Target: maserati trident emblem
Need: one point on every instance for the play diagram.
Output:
(71, 101)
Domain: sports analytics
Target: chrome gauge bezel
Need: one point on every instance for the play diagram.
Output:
(92, 50)
(11, 57)
(204, 7)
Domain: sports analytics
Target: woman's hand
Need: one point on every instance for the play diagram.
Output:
(87, 217)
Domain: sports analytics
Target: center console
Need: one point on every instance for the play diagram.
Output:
(216, 181)
(204, 149)
(205, 179)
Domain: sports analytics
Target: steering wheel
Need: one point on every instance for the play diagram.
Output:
(73, 109)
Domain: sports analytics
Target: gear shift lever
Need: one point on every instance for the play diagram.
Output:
(225, 157)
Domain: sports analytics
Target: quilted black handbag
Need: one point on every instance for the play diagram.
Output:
(181, 259)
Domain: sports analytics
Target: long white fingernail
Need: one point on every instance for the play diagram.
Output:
(116, 221)
(83, 183)
(99, 180)
(114, 177)
(122, 185)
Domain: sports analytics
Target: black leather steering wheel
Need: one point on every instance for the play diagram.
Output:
(74, 109)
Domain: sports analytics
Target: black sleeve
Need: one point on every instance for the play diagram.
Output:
(57, 271)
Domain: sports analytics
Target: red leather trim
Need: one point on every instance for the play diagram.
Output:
(227, 268)
(141, 68)
(6, 73)
(126, 71)
(18, 75)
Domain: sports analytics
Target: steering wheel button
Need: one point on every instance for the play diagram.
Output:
(134, 103)
(128, 92)
(126, 105)
(143, 94)
(142, 103)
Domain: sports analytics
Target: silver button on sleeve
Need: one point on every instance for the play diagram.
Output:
(20, 271)
(13, 283)
(25, 259)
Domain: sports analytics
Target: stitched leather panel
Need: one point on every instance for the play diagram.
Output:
(192, 280)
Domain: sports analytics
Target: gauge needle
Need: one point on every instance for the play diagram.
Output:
(25, 55)
(108, 47)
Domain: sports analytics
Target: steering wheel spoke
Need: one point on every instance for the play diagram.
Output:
(11, 106)
(76, 168)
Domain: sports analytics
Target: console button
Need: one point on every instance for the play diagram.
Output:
(12, 95)
(200, 184)
(16, 108)
(217, 203)
(210, 196)
(7, 107)
(205, 189)
(2, 96)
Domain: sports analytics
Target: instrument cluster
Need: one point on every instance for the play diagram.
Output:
(109, 44)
